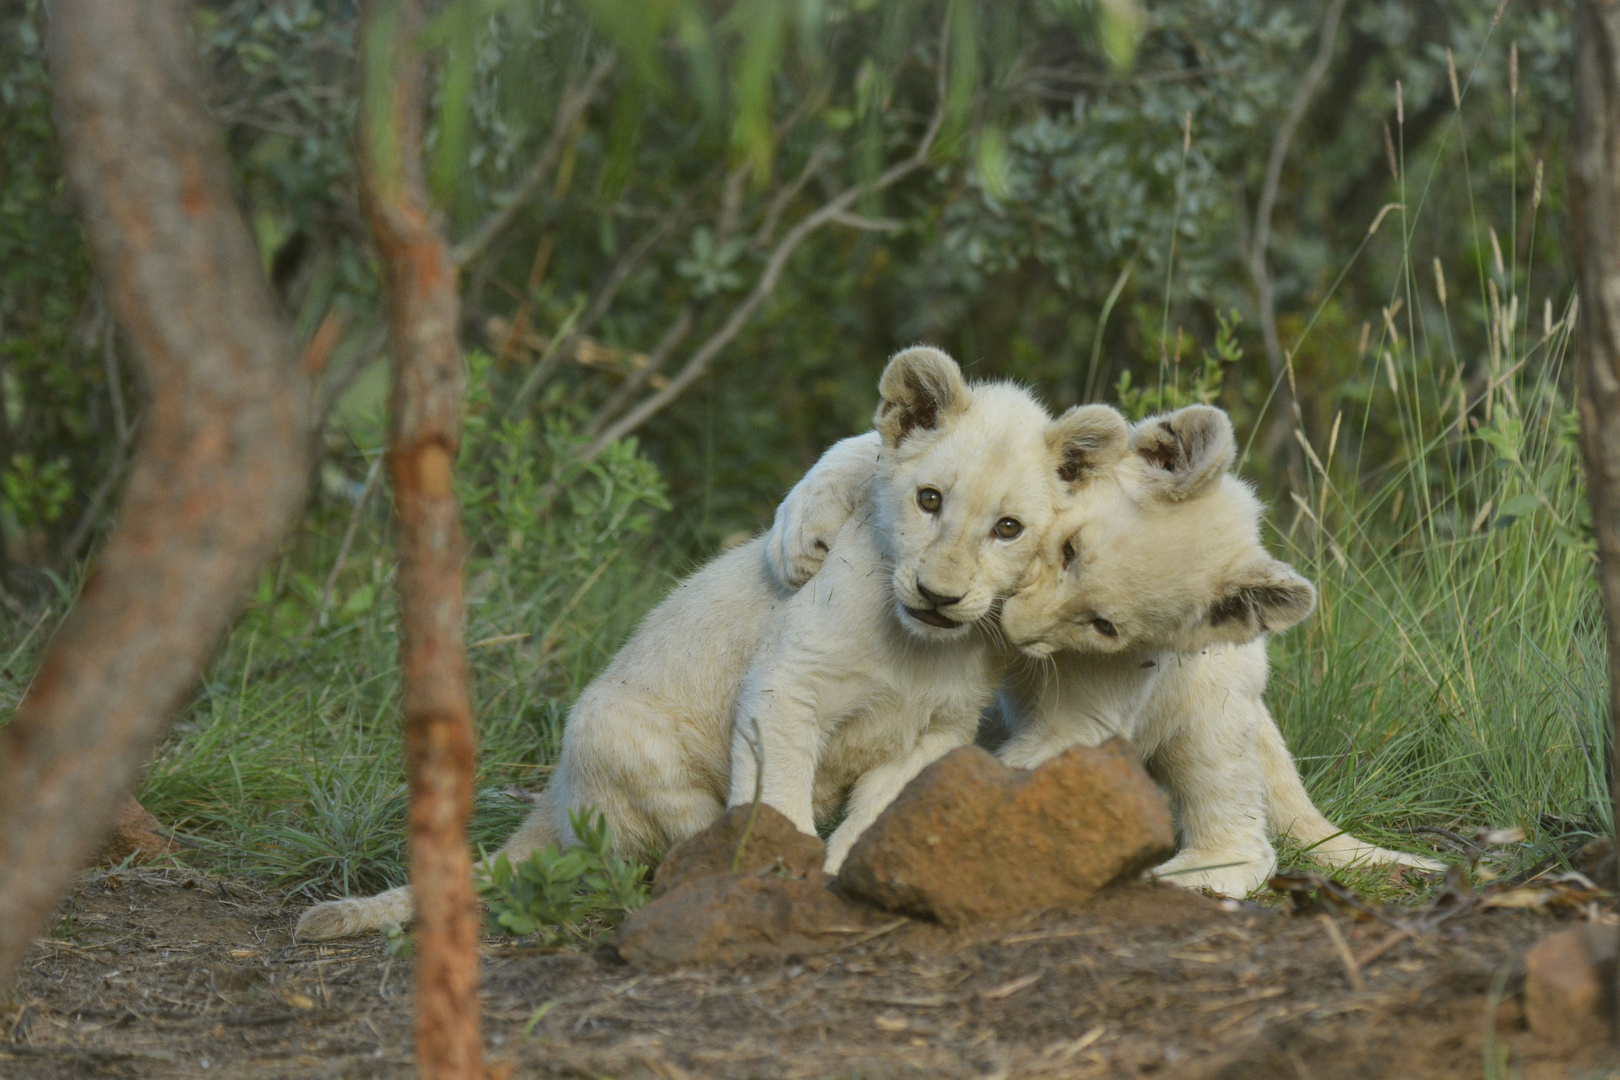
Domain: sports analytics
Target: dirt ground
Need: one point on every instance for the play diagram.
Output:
(165, 973)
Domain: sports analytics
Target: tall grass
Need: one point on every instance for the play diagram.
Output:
(1454, 671)
(287, 764)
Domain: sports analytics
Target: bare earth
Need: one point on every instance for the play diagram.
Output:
(164, 973)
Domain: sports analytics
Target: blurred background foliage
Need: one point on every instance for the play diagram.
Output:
(1065, 173)
(691, 231)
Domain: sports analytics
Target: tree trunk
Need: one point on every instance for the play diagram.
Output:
(1594, 180)
(220, 465)
(419, 279)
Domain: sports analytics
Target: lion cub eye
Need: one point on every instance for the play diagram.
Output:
(1105, 628)
(930, 500)
(1009, 528)
(1068, 553)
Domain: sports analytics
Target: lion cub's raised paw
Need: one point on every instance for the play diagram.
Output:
(811, 515)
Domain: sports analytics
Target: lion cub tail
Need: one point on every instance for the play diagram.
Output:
(1293, 814)
(356, 915)
(365, 914)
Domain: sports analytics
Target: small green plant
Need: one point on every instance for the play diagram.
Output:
(564, 895)
(399, 942)
(67, 927)
(1205, 385)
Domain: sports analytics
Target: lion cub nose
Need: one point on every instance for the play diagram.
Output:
(933, 597)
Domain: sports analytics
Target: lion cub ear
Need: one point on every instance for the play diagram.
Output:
(1257, 598)
(920, 388)
(1085, 439)
(1186, 451)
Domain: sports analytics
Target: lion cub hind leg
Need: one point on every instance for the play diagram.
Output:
(1294, 815)
(1219, 795)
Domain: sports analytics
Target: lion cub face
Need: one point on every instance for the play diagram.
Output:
(1163, 553)
(969, 481)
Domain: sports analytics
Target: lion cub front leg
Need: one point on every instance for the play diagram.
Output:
(877, 788)
(1219, 794)
(776, 740)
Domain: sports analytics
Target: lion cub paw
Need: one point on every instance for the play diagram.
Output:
(1224, 873)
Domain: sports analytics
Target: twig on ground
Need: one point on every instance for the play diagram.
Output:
(1352, 970)
(1367, 956)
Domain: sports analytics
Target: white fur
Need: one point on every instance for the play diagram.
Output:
(875, 693)
(1146, 614)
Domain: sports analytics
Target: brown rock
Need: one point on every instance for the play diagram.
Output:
(1567, 976)
(970, 839)
(136, 832)
(772, 842)
(720, 919)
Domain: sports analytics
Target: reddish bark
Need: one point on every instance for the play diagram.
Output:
(222, 458)
(1594, 182)
(419, 279)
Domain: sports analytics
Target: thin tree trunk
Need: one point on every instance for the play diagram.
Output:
(220, 463)
(429, 385)
(1594, 180)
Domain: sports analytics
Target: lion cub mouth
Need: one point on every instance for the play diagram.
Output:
(932, 618)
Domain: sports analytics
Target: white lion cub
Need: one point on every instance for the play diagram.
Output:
(883, 663)
(1157, 588)
(981, 472)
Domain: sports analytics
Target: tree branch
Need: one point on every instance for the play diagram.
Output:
(429, 388)
(222, 455)
(790, 191)
(575, 101)
(616, 401)
(829, 212)
(602, 300)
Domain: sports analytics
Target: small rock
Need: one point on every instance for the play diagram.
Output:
(970, 839)
(136, 832)
(773, 841)
(1566, 985)
(720, 919)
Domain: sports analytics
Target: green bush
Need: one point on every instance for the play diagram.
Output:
(564, 896)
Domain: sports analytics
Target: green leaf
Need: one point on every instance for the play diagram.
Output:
(992, 163)
(636, 27)
(752, 140)
(1120, 23)
(458, 26)
(1518, 506)
(962, 74)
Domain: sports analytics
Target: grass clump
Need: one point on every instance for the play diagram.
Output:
(287, 765)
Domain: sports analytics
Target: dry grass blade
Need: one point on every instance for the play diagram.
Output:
(1352, 970)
